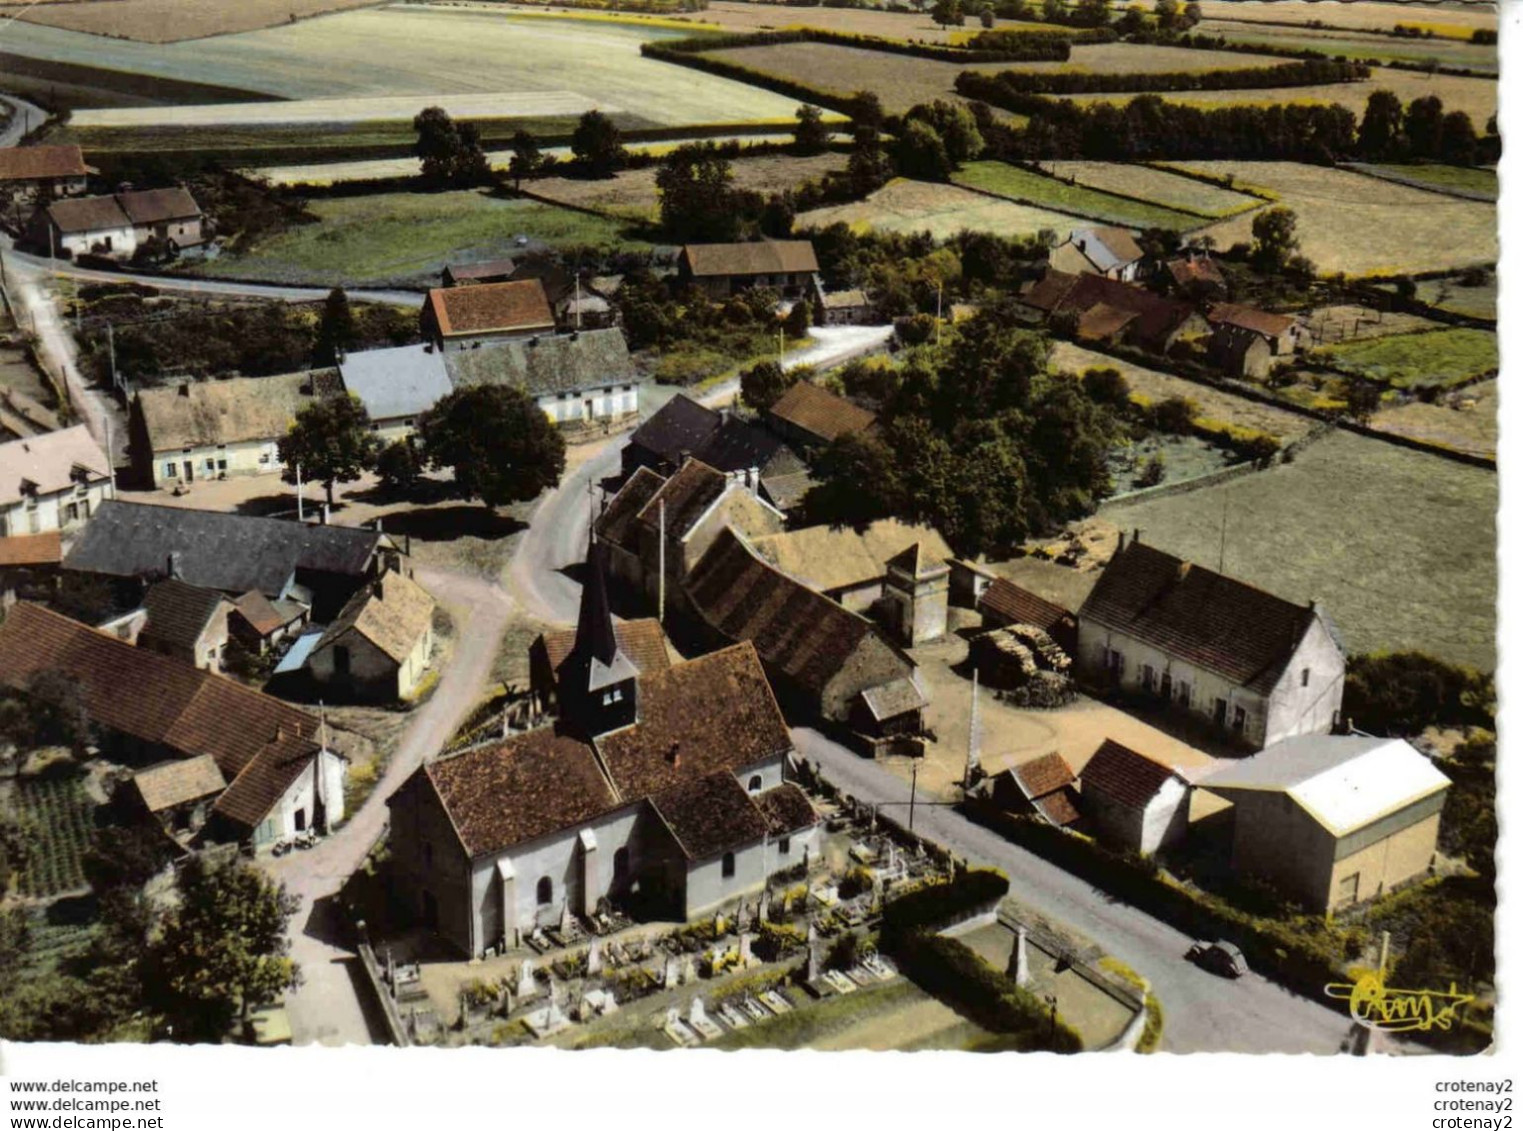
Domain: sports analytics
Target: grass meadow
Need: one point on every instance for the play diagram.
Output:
(943, 210)
(1434, 359)
(1049, 192)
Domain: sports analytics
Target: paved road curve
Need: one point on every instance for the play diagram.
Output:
(1202, 1012)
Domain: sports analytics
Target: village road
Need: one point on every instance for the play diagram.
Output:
(327, 1008)
(24, 118)
(1202, 1012)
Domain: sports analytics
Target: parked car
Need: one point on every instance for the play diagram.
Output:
(1218, 957)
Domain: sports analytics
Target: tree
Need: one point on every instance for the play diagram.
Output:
(451, 154)
(947, 13)
(1092, 13)
(1274, 238)
(1193, 13)
(697, 202)
(866, 111)
(597, 144)
(398, 466)
(1458, 141)
(1176, 415)
(330, 442)
(223, 949)
(1108, 387)
(800, 318)
(858, 481)
(1054, 12)
(500, 443)
(1380, 130)
(954, 124)
(986, 17)
(337, 333)
(811, 135)
(1167, 13)
(763, 383)
(526, 161)
(1424, 127)
(867, 169)
(919, 153)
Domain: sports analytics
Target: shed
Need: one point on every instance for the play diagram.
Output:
(1133, 802)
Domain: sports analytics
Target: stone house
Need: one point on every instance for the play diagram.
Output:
(42, 172)
(29, 568)
(117, 226)
(809, 416)
(662, 791)
(1195, 276)
(458, 317)
(846, 308)
(282, 775)
(378, 647)
(1254, 667)
(1108, 310)
(198, 430)
(186, 622)
(1133, 802)
(584, 379)
(1111, 253)
(1333, 820)
(851, 567)
(1247, 342)
(55, 481)
(724, 269)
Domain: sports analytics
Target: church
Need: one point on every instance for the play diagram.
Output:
(660, 787)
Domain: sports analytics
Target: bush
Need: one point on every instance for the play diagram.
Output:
(778, 940)
(940, 905)
(1404, 693)
(1176, 415)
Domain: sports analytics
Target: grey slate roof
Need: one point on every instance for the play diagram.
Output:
(399, 381)
(230, 552)
(178, 613)
(547, 365)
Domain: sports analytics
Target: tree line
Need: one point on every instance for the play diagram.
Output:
(1304, 72)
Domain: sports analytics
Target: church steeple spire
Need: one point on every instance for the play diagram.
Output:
(599, 683)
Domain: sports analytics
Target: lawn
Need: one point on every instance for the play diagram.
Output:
(426, 53)
(1168, 190)
(407, 238)
(1436, 359)
(1361, 225)
(1048, 192)
(1398, 545)
(61, 815)
(942, 210)
(892, 1016)
(1442, 177)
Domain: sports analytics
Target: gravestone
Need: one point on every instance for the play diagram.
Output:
(594, 957)
(813, 972)
(745, 948)
(671, 975)
(527, 986)
(689, 971)
(764, 907)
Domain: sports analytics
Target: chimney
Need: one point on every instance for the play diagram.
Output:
(1121, 541)
(378, 520)
(1136, 535)
(174, 564)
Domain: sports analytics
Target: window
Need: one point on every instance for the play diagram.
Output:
(1184, 693)
(544, 891)
(222, 465)
(1348, 889)
(1166, 686)
(1116, 662)
(727, 866)
(783, 846)
(71, 512)
(1305, 676)
(169, 471)
(755, 784)
(1239, 719)
(211, 464)
(1147, 677)
(612, 697)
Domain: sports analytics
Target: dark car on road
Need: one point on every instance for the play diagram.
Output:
(1218, 957)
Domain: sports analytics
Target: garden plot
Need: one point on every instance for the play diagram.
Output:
(1399, 545)
(1361, 225)
(1367, 15)
(941, 210)
(62, 815)
(1168, 190)
(1436, 359)
(399, 51)
(1026, 187)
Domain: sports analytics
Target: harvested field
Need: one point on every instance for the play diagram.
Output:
(1400, 546)
(1475, 96)
(1367, 15)
(735, 17)
(406, 239)
(331, 111)
(1465, 421)
(1033, 188)
(1361, 225)
(1215, 404)
(1166, 189)
(632, 193)
(942, 210)
(1478, 57)
(169, 21)
(408, 51)
(1441, 177)
(1436, 359)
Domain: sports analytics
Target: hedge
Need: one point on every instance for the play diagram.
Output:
(1305, 72)
(940, 905)
(950, 970)
(1296, 954)
(1019, 48)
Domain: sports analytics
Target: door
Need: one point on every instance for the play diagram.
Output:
(587, 409)
(1220, 713)
(301, 820)
(189, 468)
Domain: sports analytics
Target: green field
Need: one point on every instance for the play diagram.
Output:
(398, 239)
(1445, 177)
(1447, 294)
(1398, 545)
(1048, 192)
(1433, 359)
(61, 814)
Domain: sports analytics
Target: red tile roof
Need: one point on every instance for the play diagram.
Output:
(1243, 634)
(1124, 776)
(31, 549)
(1043, 775)
(1155, 317)
(641, 640)
(787, 809)
(39, 162)
(762, 257)
(1249, 318)
(617, 522)
(686, 495)
(820, 412)
(1061, 808)
(1196, 269)
(491, 307)
(710, 815)
(1008, 602)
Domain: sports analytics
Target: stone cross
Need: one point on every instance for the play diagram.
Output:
(671, 975)
(594, 957)
(526, 984)
(1020, 965)
(813, 972)
(893, 856)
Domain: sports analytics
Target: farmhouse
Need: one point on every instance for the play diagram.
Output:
(577, 379)
(220, 428)
(1257, 668)
(845, 308)
(1004, 603)
(1133, 802)
(55, 481)
(42, 172)
(1106, 310)
(825, 660)
(319, 566)
(722, 269)
(1108, 252)
(282, 777)
(807, 415)
(1333, 820)
(663, 788)
(1246, 342)
(187, 623)
(1195, 276)
(378, 646)
(117, 226)
(458, 317)
(396, 385)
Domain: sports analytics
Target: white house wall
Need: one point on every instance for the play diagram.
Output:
(301, 798)
(124, 242)
(609, 402)
(1314, 708)
(52, 510)
(247, 457)
(1166, 818)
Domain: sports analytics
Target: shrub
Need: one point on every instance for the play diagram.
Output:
(1175, 414)
(940, 905)
(1404, 693)
(855, 882)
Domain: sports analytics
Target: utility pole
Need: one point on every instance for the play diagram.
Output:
(661, 563)
(300, 517)
(578, 300)
(972, 768)
(780, 339)
(914, 777)
(1221, 556)
(111, 346)
(938, 313)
